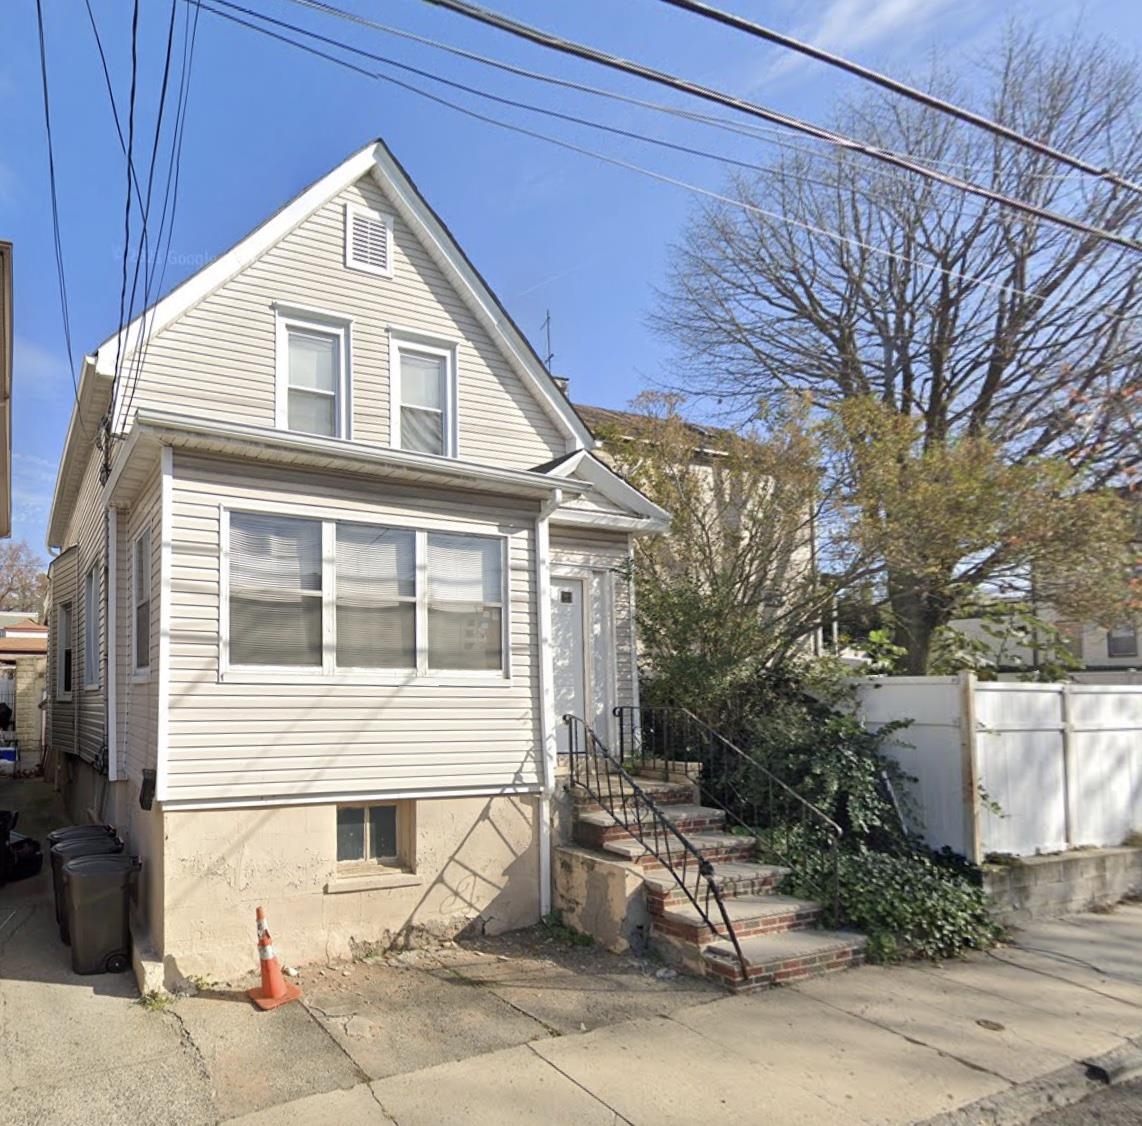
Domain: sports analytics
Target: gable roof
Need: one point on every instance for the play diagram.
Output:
(638, 512)
(628, 423)
(375, 159)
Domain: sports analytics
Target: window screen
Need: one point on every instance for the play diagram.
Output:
(376, 597)
(275, 590)
(465, 602)
(422, 402)
(314, 380)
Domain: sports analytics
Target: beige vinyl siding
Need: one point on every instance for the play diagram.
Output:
(138, 692)
(299, 734)
(62, 589)
(595, 502)
(218, 360)
(606, 552)
(88, 533)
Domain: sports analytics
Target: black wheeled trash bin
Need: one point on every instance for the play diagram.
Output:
(70, 849)
(98, 891)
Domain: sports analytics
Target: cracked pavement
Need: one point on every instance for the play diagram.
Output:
(527, 1028)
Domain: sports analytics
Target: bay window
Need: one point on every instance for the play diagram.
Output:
(342, 596)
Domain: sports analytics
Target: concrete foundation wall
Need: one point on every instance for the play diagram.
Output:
(603, 898)
(1042, 887)
(476, 865)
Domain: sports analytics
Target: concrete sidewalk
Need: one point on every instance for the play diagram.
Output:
(530, 1028)
(875, 1045)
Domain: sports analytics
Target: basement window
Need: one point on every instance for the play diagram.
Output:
(374, 836)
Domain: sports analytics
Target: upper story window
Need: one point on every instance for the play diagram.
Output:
(423, 390)
(141, 599)
(334, 596)
(65, 652)
(1122, 641)
(91, 627)
(368, 240)
(313, 373)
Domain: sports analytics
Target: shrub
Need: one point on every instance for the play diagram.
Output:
(908, 905)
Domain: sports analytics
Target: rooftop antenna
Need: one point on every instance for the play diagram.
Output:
(546, 326)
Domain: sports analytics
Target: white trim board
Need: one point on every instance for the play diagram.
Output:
(342, 797)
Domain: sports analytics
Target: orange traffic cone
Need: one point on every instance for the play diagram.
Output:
(275, 990)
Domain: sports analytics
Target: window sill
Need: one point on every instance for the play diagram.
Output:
(300, 674)
(363, 881)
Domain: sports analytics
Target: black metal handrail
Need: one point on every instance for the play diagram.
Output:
(751, 795)
(595, 769)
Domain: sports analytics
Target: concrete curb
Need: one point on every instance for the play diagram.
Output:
(1052, 1091)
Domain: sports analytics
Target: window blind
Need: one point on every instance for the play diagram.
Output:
(422, 402)
(465, 602)
(376, 597)
(275, 590)
(314, 377)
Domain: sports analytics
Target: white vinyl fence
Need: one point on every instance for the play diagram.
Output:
(1012, 767)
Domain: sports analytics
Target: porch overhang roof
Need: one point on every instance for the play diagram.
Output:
(152, 430)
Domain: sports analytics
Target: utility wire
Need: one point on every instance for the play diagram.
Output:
(810, 228)
(61, 278)
(115, 382)
(768, 133)
(930, 100)
(615, 130)
(899, 160)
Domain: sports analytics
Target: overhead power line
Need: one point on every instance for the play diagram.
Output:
(834, 236)
(615, 62)
(769, 134)
(57, 236)
(902, 88)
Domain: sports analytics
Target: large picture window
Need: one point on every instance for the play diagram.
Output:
(275, 590)
(345, 597)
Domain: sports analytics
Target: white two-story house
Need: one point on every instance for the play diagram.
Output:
(334, 556)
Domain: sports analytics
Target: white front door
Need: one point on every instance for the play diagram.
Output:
(568, 653)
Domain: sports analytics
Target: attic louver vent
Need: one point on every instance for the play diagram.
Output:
(368, 241)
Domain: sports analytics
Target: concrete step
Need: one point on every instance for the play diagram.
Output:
(679, 792)
(749, 915)
(593, 828)
(734, 878)
(777, 959)
(712, 846)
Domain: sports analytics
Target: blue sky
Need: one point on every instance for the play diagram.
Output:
(549, 229)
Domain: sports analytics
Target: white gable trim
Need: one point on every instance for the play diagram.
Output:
(642, 513)
(442, 247)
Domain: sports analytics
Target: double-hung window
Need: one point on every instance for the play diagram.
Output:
(275, 590)
(345, 597)
(313, 374)
(141, 598)
(91, 627)
(65, 652)
(423, 396)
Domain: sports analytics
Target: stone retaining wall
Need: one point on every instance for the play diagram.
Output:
(1042, 887)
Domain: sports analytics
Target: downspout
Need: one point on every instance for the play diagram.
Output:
(547, 718)
(111, 634)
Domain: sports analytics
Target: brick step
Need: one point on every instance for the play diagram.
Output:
(734, 878)
(749, 914)
(715, 847)
(777, 959)
(592, 829)
(664, 793)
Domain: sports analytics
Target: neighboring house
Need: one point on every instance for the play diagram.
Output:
(23, 665)
(361, 559)
(6, 334)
